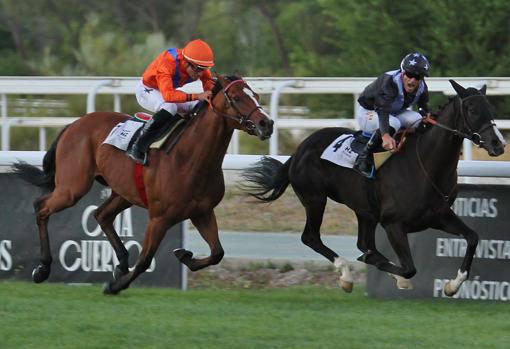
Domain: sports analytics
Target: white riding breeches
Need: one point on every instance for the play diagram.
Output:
(368, 120)
(152, 100)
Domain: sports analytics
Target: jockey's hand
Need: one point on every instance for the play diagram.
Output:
(204, 95)
(388, 142)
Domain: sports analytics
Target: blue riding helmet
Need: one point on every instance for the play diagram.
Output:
(415, 63)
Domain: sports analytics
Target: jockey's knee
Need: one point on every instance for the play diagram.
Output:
(395, 123)
(169, 107)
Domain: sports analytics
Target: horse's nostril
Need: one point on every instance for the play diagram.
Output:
(262, 123)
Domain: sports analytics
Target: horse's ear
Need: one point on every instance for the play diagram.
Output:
(461, 91)
(221, 79)
(483, 90)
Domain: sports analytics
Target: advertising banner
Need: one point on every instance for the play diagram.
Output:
(81, 252)
(438, 255)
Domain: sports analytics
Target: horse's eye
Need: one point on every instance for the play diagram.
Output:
(236, 98)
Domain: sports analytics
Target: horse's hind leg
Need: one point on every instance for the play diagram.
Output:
(105, 216)
(314, 205)
(208, 228)
(311, 235)
(42, 271)
(45, 206)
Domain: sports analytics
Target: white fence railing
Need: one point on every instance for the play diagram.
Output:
(275, 87)
(499, 169)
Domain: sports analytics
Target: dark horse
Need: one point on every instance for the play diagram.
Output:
(186, 183)
(413, 190)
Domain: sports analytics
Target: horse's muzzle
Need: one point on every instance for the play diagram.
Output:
(495, 148)
(263, 129)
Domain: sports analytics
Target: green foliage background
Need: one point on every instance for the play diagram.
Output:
(326, 38)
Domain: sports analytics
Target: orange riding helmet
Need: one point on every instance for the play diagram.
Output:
(199, 53)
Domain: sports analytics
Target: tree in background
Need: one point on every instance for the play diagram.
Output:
(258, 38)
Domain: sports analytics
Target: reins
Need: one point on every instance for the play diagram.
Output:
(474, 137)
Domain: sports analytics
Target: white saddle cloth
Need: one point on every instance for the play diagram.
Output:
(339, 151)
(121, 134)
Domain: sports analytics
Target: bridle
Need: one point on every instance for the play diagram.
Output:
(474, 137)
(244, 120)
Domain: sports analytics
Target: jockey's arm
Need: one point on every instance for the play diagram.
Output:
(168, 91)
(388, 142)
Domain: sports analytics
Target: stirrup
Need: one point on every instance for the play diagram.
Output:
(364, 169)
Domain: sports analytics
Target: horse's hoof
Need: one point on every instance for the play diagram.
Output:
(108, 289)
(182, 254)
(40, 273)
(449, 290)
(402, 283)
(346, 285)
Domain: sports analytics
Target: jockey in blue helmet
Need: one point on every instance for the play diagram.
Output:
(384, 106)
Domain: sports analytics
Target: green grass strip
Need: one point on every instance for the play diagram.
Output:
(61, 316)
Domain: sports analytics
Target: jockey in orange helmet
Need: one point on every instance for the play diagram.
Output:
(157, 90)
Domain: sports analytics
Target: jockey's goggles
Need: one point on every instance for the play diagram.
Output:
(197, 68)
(413, 75)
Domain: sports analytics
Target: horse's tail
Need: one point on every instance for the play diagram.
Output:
(267, 179)
(44, 178)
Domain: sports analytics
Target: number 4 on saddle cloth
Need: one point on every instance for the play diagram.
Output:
(124, 134)
(344, 151)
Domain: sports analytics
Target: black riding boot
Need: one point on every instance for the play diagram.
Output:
(362, 163)
(138, 151)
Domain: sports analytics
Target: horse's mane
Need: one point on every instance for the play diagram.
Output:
(216, 89)
(471, 91)
(443, 106)
(217, 85)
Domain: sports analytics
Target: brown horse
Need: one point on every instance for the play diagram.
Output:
(186, 183)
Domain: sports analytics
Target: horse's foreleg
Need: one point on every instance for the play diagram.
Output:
(105, 216)
(208, 228)
(366, 242)
(452, 224)
(154, 233)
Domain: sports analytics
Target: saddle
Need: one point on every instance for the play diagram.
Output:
(166, 136)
